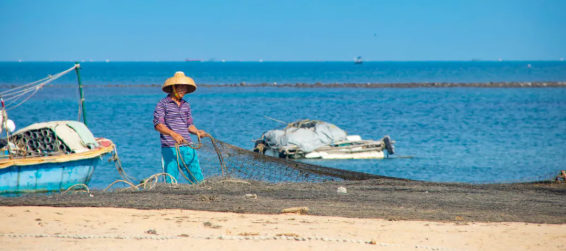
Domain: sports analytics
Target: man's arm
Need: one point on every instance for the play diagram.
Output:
(200, 133)
(161, 128)
(193, 129)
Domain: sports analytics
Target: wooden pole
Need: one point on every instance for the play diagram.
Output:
(77, 69)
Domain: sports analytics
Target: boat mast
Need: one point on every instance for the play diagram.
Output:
(82, 101)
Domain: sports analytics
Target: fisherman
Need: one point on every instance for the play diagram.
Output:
(172, 119)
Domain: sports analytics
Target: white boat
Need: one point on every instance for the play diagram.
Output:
(312, 139)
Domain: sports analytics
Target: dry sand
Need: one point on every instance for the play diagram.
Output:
(192, 227)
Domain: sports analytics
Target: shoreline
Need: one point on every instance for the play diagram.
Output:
(534, 84)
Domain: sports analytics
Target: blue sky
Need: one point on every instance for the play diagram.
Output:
(401, 30)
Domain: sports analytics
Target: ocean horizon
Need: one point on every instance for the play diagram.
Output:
(136, 73)
(271, 61)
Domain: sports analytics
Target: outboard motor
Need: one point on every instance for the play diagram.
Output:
(388, 145)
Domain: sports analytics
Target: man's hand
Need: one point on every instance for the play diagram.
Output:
(177, 137)
(161, 128)
(202, 134)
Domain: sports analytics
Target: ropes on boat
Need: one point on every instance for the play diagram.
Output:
(15, 94)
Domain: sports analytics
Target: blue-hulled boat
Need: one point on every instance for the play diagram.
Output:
(47, 176)
(48, 156)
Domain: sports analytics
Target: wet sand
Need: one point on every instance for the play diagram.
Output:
(53, 228)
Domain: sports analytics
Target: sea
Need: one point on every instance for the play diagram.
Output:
(471, 135)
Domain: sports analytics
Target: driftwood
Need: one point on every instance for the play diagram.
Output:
(236, 181)
(295, 210)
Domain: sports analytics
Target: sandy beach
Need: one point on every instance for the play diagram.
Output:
(220, 215)
(51, 228)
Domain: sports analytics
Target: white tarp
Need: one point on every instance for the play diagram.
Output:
(73, 134)
(307, 139)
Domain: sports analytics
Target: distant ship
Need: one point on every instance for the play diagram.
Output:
(192, 60)
(358, 60)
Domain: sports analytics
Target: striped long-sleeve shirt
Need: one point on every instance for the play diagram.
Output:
(176, 117)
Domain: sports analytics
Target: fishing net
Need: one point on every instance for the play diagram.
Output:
(220, 159)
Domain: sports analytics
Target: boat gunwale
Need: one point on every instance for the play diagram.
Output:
(365, 143)
(59, 158)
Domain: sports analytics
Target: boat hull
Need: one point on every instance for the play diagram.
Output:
(331, 155)
(346, 155)
(47, 177)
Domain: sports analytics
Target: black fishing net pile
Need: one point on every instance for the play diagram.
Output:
(218, 158)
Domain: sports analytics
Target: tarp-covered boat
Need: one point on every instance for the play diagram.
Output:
(313, 139)
(51, 156)
(47, 156)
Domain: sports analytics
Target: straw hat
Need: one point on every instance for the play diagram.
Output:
(179, 79)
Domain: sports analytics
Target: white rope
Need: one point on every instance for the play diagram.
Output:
(22, 91)
(19, 93)
(12, 107)
(8, 92)
(31, 86)
(15, 96)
